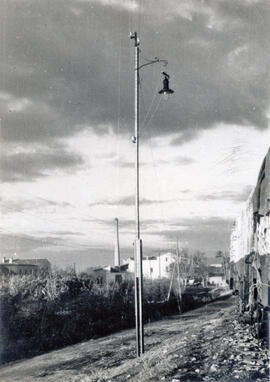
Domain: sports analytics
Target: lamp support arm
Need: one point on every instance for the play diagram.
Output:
(165, 62)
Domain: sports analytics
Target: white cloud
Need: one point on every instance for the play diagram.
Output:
(19, 105)
(5, 96)
(131, 5)
(14, 104)
(76, 11)
(225, 159)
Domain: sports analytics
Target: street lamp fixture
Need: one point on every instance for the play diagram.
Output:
(138, 241)
(166, 91)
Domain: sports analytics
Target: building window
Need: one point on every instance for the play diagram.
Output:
(151, 270)
(167, 269)
(166, 259)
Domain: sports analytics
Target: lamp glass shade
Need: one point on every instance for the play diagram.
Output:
(166, 91)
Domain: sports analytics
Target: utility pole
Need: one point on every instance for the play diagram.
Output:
(138, 242)
(171, 282)
(159, 269)
(178, 275)
(117, 247)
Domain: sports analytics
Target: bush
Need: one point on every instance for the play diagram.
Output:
(41, 314)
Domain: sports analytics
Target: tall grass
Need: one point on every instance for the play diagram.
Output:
(44, 313)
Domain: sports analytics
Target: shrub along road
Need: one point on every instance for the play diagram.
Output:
(206, 344)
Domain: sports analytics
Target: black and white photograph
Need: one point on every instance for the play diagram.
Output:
(135, 190)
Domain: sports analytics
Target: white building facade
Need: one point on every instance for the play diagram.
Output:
(155, 267)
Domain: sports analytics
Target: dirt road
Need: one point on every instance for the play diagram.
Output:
(206, 344)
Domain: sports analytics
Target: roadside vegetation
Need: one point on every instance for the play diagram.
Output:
(43, 313)
(39, 313)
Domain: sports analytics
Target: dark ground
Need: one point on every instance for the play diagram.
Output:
(206, 344)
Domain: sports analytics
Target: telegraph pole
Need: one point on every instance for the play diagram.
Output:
(138, 242)
(178, 275)
(117, 247)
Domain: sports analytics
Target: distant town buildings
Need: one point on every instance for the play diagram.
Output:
(11, 266)
(154, 267)
(108, 274)
(163, 265)
(216, 275)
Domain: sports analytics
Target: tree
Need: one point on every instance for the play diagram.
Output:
(225, 261)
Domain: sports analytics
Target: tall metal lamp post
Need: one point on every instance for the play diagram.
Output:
(166, 91)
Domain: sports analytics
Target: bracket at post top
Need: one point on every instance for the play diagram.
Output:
(135, 37)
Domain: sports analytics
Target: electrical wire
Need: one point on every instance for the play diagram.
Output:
(153, 114)
(158, 188)
(150, 107)
(139, 17)
(118, 112)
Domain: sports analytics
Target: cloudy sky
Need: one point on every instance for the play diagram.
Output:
(66, 109)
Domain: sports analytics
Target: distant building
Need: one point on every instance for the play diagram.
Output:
(155, 267)
(108, 274)
(216, 265)
(12, 266)
(116, 273)
(217, 280)
(216, 275)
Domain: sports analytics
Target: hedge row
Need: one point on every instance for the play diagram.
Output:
(38, 315)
